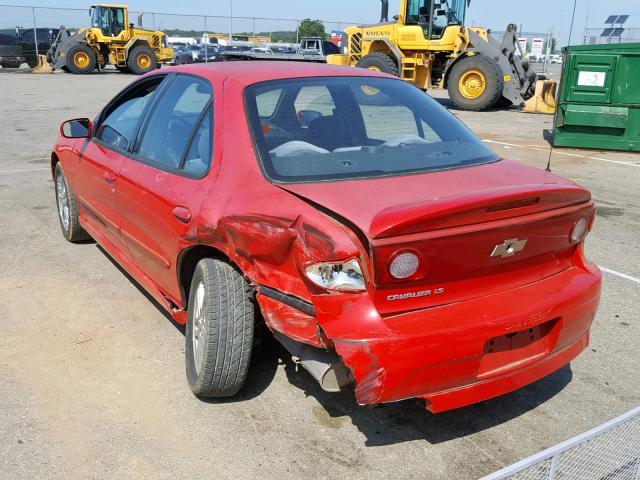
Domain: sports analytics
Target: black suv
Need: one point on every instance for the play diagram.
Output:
(26, 38)
(11, 55)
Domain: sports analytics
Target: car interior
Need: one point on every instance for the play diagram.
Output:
(320, 119)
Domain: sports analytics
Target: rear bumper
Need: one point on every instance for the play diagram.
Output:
(458, 354)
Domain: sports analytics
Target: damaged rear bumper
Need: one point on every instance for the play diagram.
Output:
(462, 353)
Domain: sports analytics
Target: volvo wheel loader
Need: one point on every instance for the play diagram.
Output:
(428, 45)
(111, 39)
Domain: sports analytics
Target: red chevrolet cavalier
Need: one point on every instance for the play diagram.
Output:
(381, 242)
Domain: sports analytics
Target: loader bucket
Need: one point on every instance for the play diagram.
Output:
(544, 98)
(43, 66)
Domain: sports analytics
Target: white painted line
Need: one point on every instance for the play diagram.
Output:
(556, 152)
(621, 275)
(26, 170)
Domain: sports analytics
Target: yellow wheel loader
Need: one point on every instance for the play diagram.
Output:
(111, 39)
(428, 45)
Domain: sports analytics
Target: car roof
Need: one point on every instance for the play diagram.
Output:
(250, 72)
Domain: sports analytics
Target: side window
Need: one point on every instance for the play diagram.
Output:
(316, 99)
(120, 121)
(174, 119)
(267, 102)
(199, 154)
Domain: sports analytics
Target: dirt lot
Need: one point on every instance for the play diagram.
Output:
(92, 373)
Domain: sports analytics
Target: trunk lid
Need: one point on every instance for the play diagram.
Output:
(476, 230)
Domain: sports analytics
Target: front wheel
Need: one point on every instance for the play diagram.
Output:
(67, 208)
(220, 326)
(475, 83)
(141, 60)
(81, 59)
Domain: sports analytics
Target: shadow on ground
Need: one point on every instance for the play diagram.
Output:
(398, 422)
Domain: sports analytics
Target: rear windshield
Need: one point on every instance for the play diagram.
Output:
(335, 128)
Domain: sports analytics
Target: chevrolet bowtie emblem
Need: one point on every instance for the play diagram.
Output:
(508, 248)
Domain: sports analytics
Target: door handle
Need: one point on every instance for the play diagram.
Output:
(182, 213)
(109, 177)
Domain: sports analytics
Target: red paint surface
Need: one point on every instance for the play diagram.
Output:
(433, 346)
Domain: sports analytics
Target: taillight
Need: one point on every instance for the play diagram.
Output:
(404, 265)
(345, 276)
(579, 230)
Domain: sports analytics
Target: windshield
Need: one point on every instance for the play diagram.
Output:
(332, 128)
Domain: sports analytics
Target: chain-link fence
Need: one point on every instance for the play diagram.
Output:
(595, 36)
(175, 25)
(608, 452)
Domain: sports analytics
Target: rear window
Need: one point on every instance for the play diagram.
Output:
(333, 128)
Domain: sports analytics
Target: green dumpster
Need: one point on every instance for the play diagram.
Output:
(599, 98)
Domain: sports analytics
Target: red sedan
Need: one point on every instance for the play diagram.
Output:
(381, 242)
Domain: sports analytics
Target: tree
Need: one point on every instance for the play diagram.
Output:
(312, 28)
(553, 44)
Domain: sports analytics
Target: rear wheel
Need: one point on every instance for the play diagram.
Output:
(220, 328)
(141, 60)
(11, 64)
(475, 83)
(379, 62)
(81, 59)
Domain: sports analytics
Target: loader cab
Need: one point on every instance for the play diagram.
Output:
(434, 16)
(110, 19)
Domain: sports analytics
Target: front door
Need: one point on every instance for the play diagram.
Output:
(100, 160)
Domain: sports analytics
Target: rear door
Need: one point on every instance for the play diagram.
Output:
(98, 161)
(162, 185)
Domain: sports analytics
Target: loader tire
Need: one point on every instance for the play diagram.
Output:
(379, 62)
(475, 83)
(141, 60)
(81, 59)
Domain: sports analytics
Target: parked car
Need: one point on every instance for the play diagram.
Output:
(11, 54)
(384, 245)
(195, 50)
(555, 58)
(266, 51)
(27, 38)
(210, 53)
(181, 55)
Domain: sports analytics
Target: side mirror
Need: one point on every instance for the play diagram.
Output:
(76, 128)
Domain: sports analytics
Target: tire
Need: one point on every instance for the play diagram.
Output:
(141, 60)
(220, 330)
(380, 62)
(122, 69)
(71, 229)
(474, 69)
(81, 59)
(32, 61)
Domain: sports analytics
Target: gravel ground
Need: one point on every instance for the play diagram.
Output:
(92, 372)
